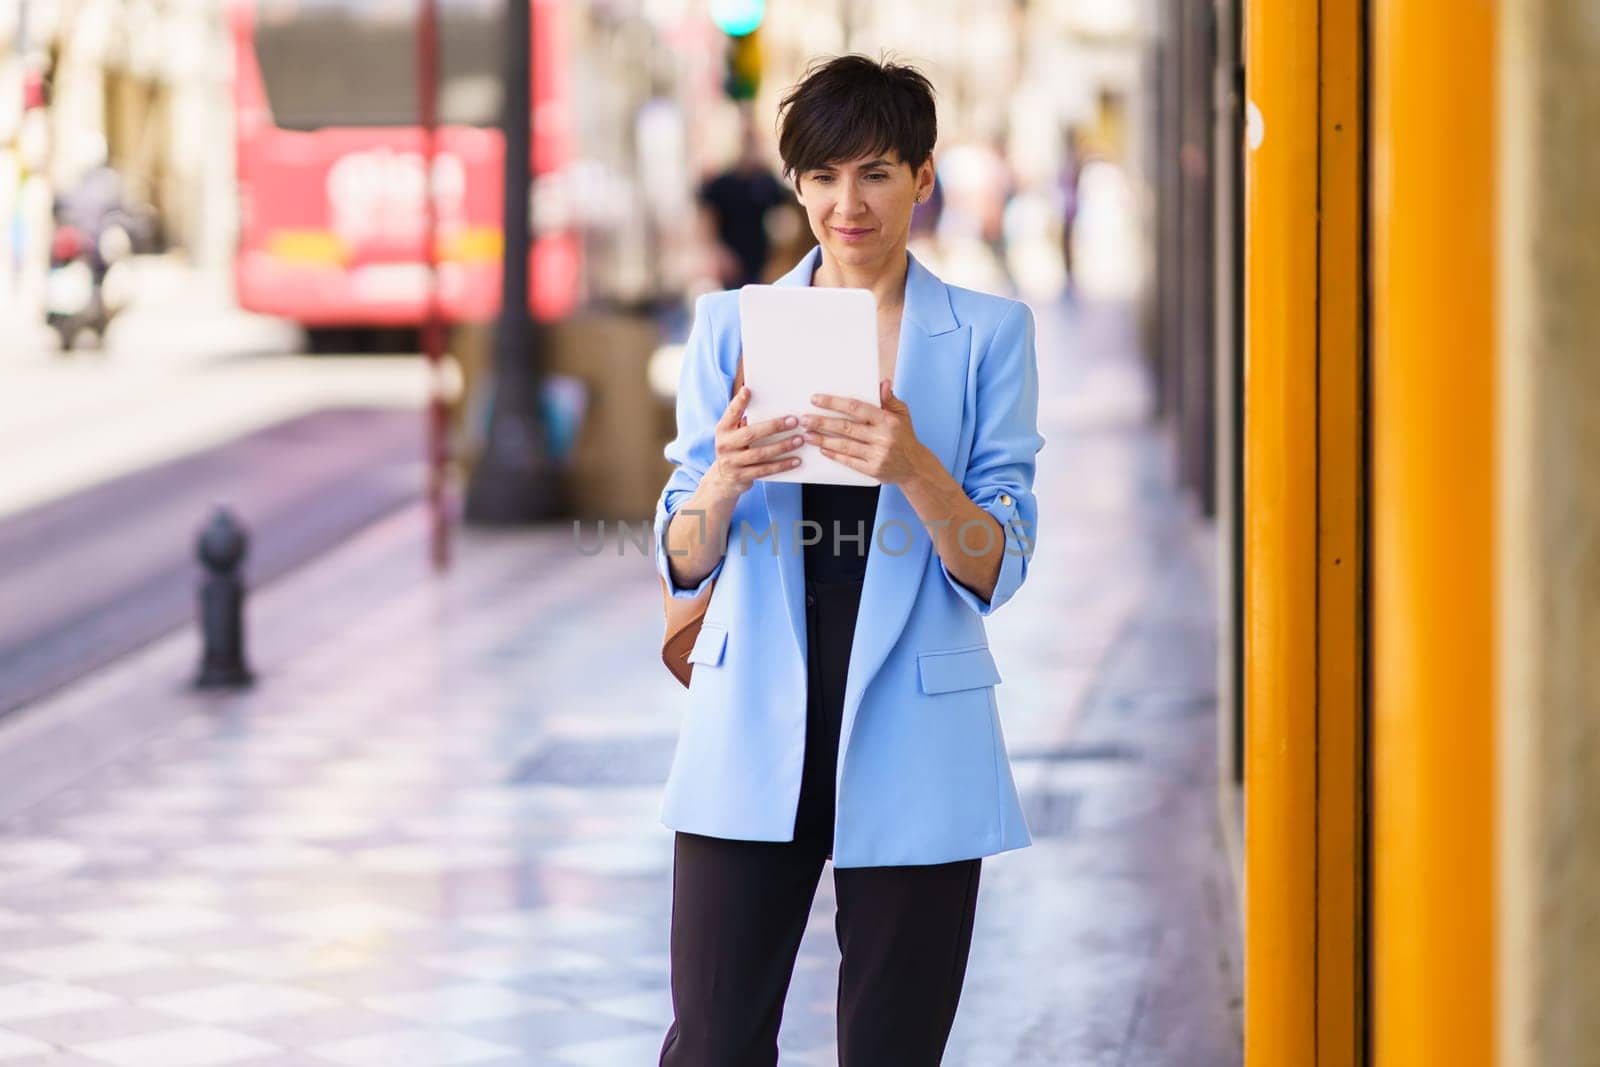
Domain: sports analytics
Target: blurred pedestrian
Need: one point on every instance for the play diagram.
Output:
(1071, 171)
(969, 227)
(832, 715)
(735, 203)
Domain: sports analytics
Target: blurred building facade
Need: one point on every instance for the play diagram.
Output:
(141, 85)
(1014, 83)
(151, 82)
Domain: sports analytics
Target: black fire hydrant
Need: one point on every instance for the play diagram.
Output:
(222, 545)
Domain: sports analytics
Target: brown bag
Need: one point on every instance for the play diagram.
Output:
(684, 614)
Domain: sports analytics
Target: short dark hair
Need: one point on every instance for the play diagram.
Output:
(852, 106)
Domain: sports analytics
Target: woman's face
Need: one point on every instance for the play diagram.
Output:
(860, 210)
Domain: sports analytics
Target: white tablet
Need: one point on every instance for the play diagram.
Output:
(800, 340)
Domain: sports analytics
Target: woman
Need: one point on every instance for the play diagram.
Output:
(842, 700)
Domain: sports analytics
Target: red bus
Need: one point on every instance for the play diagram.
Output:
(331, 155)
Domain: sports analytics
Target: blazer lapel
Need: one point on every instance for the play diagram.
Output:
(930, 375)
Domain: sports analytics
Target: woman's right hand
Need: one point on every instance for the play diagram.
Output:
(739, 463)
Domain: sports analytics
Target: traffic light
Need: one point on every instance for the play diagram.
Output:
(738, 17)
(744, 66)
(741, 21)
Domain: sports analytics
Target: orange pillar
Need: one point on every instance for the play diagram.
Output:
(1433, 655)
(1304, 549)
(1341, 605)
(1280, 567)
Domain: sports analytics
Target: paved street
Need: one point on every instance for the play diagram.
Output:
(428, 836)
(119, 454)
(107, 569)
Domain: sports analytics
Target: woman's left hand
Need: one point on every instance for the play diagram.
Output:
(875, 440)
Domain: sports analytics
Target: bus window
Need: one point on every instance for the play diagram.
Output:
(353, 62)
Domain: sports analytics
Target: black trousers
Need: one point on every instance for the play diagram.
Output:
(739, 909)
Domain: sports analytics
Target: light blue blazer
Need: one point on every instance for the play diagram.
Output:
(923, 775)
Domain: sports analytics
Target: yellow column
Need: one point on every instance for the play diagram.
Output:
(1341, 537)
(1433, 657)
(1280, 449)
(1304, 549)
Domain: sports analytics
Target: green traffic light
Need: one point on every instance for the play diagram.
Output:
(738, 17)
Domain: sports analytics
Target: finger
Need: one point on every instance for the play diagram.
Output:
(746, 434)
(843, 446)
(826, 440)
(746, 476)
(837, 427)
(735, 409)
(770, 452)
(848, 460)
(854, 408)
(764, 428)
(786, 464)
(747, 457)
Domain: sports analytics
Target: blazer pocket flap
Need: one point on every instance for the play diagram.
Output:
(958, 668)
(709, 645)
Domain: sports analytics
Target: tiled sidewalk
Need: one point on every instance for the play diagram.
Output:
(428, 836)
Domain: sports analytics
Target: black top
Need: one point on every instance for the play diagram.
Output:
(843, 512)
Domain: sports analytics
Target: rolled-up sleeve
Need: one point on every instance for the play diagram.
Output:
(999, 474)
(704, 389)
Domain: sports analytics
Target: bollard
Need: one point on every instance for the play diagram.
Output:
(221, 546)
